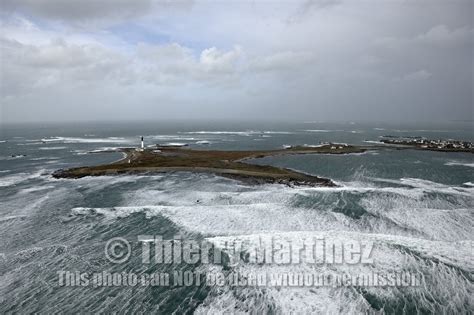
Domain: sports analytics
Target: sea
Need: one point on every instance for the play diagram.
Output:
(415, 207)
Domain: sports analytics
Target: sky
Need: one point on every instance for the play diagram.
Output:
(323, 60)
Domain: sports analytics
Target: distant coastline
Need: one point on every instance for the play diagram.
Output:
(429, 144)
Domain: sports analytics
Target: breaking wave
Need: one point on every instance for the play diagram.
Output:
(87, 140)
(415, 224)
(458, 163)
(18, 178)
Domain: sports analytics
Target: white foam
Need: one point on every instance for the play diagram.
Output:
(24, 203)
(12, 217)
(373, 141)
(434, 186)
(459, 163)
(422, 185)
(410, 232)
(238, 133)
(13, 179)
(35, 189)
(86, 140)
(104, 150)
(423, 130)
(241, 133)
(80, 152)
(171, 137)
(174, 144)
(230, 211)
(223, 207)
(434, 218)
(45, 158)
(18, 178)
(30, 143)
(12, 157)
(321, 130)
(459, 254)
(278, 132)
(52, 148)
(314, 145)
(388, 256)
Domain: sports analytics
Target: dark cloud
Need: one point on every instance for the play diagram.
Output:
(307, 8)
(77, 10)
(338, 60)
(89, 10)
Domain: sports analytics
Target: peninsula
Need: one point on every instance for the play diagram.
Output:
(229, 164)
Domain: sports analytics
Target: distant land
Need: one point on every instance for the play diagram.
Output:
(432, 145)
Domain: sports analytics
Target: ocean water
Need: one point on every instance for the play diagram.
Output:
(416, 206)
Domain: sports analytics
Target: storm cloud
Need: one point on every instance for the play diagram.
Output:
(307, 60)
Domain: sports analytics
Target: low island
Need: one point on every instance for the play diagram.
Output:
(229, 164)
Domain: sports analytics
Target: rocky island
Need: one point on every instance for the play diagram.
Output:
(229, 164)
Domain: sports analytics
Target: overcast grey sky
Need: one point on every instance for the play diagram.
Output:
(299, 60)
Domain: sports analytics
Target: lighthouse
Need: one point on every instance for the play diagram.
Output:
(143, 146)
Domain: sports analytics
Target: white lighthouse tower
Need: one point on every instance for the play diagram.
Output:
(143, 146)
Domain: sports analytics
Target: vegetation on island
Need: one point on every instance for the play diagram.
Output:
(224, 163)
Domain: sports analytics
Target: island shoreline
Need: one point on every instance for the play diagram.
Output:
(229, 164)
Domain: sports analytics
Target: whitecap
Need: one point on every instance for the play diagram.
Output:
(174, 144)
(374, 142)
(313, 145)
(45, 158)
(278, 132)
(52, 148)
(319, 130)
(12, 157)
(171, 137)
(459, 163)
(14, 179)
(389, 255)
(12, 217)
(86, 140)
(237, 133)
(203, 142)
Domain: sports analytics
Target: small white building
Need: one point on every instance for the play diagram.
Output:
(142, 146)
